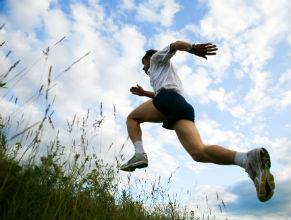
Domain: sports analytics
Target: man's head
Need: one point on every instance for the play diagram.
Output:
(146, 60)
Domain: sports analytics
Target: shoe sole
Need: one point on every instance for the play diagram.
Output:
(137, 165)
(267, 184)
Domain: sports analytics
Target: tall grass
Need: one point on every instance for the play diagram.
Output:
(38, 184)
(87, 188)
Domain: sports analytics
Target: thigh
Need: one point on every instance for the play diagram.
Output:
(188, 135)
(147, 112)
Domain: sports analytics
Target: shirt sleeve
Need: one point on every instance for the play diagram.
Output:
(163, 56)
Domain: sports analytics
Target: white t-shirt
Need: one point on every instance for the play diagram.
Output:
(163, 74)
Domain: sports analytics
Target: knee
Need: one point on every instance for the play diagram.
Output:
(198, 154)
(131, 118)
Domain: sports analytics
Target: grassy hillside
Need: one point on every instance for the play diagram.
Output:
(49, 190)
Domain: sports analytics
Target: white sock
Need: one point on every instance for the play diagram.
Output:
(240, 159)
(138, 147)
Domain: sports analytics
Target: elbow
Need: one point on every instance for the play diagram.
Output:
(174, 46)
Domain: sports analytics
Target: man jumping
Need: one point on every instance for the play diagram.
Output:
(168, 106)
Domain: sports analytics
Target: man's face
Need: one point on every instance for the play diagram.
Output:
(146, 64)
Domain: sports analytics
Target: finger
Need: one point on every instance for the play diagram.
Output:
(210, 50)
(204, 44)
(210, 54)
(210, 46)
(139, 87)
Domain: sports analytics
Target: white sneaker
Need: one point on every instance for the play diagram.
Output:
(137, 161)
(258, 167)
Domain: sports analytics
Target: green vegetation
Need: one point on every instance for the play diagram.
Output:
(49, 190)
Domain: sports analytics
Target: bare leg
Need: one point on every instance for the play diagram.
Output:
(186, 132)
(191, 141)
(146, 112)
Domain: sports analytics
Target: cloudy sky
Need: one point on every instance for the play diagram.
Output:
(241, 96)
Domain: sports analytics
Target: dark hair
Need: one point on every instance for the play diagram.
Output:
(149, 53)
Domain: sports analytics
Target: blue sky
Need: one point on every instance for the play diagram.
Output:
(241, 96)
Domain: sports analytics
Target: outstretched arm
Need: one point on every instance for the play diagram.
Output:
(201, 50)
(138, 90)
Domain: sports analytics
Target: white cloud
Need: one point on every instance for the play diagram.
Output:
(195, 167)
(279, 148)
(282, 91)
(15, 112)
(216, 25)
(103, 76)
(27, 14)
(86, 19)
(259, 128)
(110, 69)
(250, 42)
(195, 84)
(222, 98)
(56, 23)
(168, 11)
(128, 4)
(212, 134)
(158, 11)
(162, 39)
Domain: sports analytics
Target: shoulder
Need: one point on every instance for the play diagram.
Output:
(162, 55)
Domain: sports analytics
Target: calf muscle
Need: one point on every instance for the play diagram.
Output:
(191, 141)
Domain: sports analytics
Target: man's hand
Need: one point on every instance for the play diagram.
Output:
(138, 90)
(203, 50)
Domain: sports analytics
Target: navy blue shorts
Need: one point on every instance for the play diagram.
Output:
(174, 107)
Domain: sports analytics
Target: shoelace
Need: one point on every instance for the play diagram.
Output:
(133, 158)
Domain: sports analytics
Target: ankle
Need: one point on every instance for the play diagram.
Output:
(138, 146)
(240, 159)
